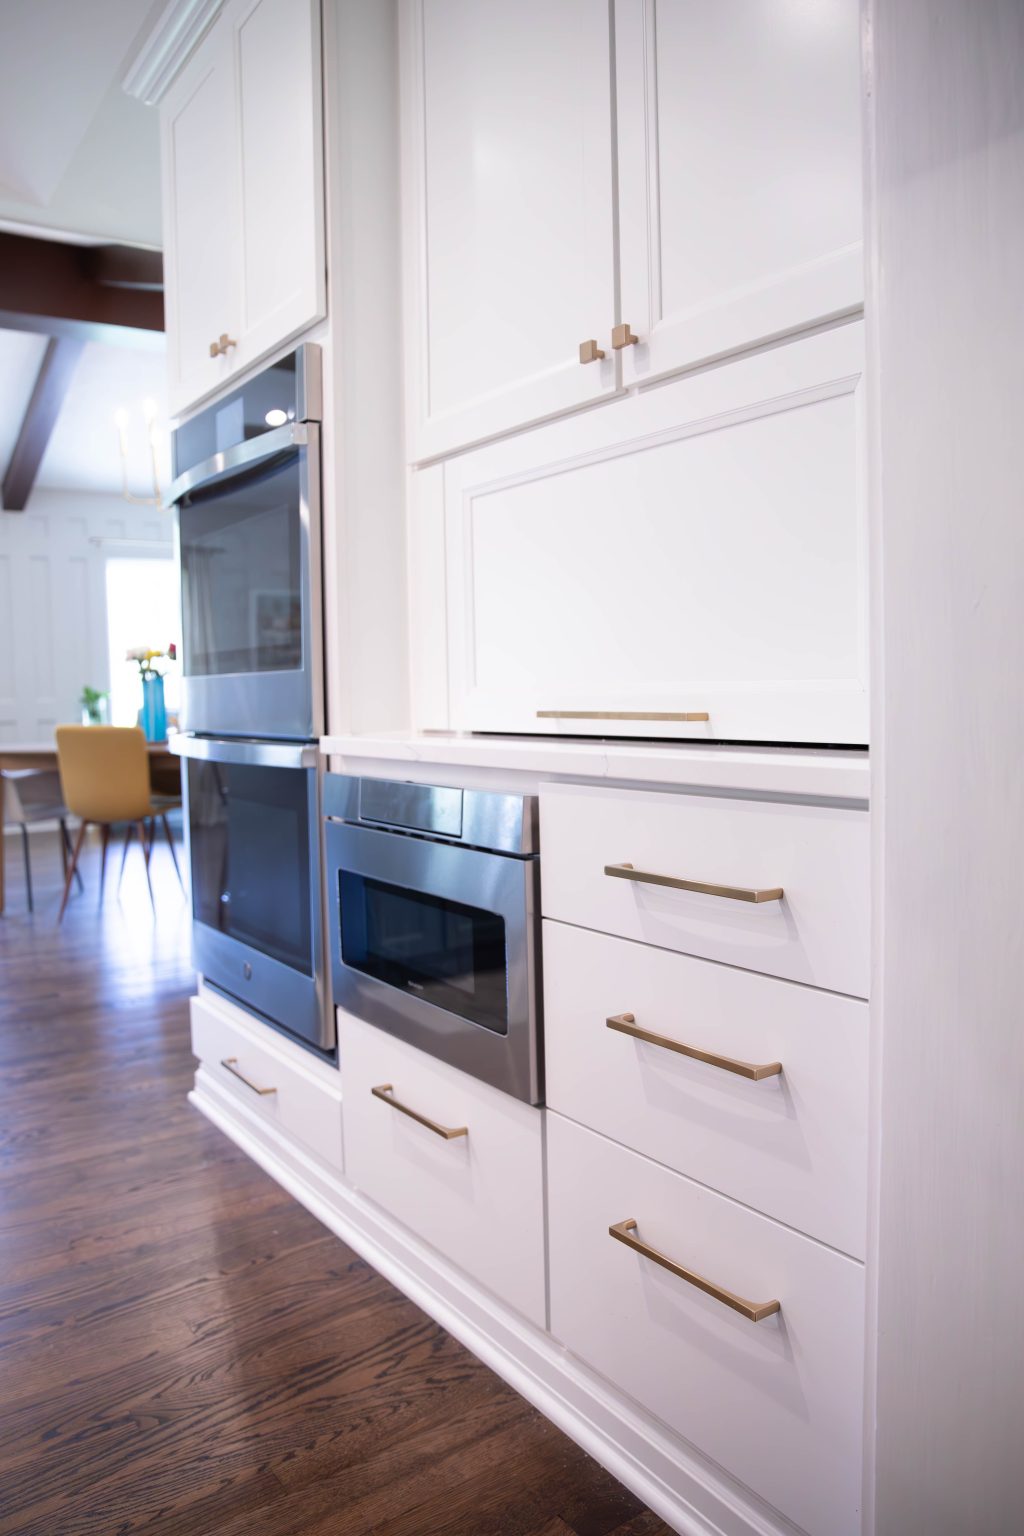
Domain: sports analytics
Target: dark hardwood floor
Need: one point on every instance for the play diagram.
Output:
(185, 1351)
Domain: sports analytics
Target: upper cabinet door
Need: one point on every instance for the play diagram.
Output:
(200, 219)
(687, 563)
(739, 173)
(508, 166)
(279, 136)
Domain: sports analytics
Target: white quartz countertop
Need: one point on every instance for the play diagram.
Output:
(798, 772)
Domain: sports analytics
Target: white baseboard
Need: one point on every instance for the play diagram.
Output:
(685, 1490)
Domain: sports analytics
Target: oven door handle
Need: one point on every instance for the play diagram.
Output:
(254, 754)
(242, 456)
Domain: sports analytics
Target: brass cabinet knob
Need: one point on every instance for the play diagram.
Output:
(622, 336)
(222, 344)
(590, 352)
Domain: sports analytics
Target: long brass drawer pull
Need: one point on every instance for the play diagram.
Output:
(449, 1132)
(754, 1311)
(730, 892)
(621, 714)
(626, 1024)
(230, 1064)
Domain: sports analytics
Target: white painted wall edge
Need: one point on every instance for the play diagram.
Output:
(689, 1493)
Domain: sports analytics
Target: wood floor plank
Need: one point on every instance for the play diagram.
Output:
(184, 1350)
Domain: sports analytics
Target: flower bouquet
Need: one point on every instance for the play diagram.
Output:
(153, 714)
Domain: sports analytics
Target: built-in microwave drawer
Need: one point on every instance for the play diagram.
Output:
(456, 1161)
(770, 886)
(273, 1078)
(777, 1402)
(755, 1086)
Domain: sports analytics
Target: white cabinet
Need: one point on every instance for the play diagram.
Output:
(618, 1017)
(777, 1402)
(739, 172)
(456, 1161)
(688, 562)
(508, 167)
(243, 193)
(730, 208)
(270, 1077)
(681, 871)
(200, 215)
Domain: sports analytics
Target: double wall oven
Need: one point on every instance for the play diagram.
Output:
(247, 496)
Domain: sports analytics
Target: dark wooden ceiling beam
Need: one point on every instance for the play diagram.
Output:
(53, 288)
(125, 266)
(59, 359)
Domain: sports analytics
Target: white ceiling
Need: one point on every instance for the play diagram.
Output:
(82, 453)
(80, 160)
(76, 154)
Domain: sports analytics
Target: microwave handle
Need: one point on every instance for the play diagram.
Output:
(253, 754)
(242, 456)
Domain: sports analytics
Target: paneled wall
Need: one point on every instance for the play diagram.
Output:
(53, 634)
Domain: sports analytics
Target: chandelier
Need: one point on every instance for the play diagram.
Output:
(149, 415)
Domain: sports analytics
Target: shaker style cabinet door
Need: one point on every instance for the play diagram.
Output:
(507, 128)
(282, 287)
(688, 562)
(200, 219)
(739, 168)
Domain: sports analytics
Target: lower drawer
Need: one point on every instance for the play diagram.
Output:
(776, 1402)
(476, 1195)
(272, 1077)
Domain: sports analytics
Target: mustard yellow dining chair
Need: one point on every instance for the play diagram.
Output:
(104, 775)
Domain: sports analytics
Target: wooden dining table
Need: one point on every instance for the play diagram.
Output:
(43, 758)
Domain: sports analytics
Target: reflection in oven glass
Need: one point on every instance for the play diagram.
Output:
(451, 955)
(249, 836)
(241, 575)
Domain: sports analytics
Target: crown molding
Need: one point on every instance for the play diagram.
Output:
(155, 62)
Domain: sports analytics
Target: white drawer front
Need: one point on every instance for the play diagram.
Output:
(477, 1197)
(777, 1403)
(817, 933)
(246, 1058)
(793, 1144)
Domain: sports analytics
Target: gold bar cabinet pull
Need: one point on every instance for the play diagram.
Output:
(625, 1024)
(622, 336)
(222, 344)
(449, 1132)
(590, 352)
(230, 1064)
(621, 714)
(730, 892)
(754, 1311)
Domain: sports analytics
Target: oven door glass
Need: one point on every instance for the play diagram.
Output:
(241, 573)
(249, 830)
(437, 949)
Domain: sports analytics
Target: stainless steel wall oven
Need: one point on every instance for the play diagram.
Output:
(434, 910)
(254, 849)
(247, 492)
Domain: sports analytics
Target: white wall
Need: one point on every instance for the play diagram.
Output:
(946, 113)
(53, 634)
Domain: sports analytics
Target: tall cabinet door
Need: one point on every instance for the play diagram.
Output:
(688, 562)
(200, 218)
(279, 139)
(509, 260)
(739, 173)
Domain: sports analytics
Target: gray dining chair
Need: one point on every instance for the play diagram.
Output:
(29, 796)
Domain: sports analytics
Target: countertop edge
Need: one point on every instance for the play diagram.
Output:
(817, 773)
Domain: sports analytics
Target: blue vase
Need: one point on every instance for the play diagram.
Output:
(154, 710)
